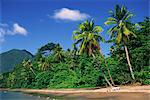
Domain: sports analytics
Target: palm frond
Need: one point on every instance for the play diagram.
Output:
(80, 36)
(97, 29)
(129, 16)
(117, 12)
(110, 22)
(76, 32)
(78, 41)
(111, 19)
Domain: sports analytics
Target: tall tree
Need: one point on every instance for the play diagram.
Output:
(46, 49)
(88, 36)
(120, 32)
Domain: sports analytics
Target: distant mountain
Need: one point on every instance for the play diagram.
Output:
(9, 59)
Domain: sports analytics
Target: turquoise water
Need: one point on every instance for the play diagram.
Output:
(4, 95)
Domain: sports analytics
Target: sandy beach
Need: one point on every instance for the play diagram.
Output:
(131, 92)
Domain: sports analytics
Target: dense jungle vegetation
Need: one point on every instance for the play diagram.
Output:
(85, 65)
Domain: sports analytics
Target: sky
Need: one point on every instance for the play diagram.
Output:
(29, 24)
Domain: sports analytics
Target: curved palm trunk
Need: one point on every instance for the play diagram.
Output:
(128, 60)
(107, 68)
(93, 55)
(105, 77)
(107, 80)
(32, 71)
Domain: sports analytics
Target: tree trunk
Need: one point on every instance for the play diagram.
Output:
(93, 55)
(107, 80)
(107, 68)
(128, 60)
(32, 71)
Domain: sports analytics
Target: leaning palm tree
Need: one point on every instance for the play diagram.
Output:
(87, 35)
(120, 31)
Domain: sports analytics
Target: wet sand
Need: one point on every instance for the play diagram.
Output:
(113, 96)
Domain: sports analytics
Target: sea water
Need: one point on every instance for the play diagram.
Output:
(5, 95)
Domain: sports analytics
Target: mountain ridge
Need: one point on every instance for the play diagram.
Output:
(10, 58)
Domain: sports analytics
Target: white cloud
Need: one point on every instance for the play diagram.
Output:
(17, 29)
(68, 14)
(6, 30)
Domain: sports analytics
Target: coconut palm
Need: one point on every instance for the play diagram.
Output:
(120, 31)
(88, 36)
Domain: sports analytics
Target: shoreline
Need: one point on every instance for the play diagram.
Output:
(144, 88)
(132, 92)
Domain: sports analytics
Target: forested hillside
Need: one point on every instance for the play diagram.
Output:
(11, 58)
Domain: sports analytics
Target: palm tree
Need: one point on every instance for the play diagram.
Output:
(44, 64)
(120, 31)
(28, 65)
(58, 53)
(88, 36)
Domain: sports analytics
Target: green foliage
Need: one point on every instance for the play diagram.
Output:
(42, 79)
(10, 80)
(139, 46)
(87, 72)
(46, 48)
(120, 72)
(63, 77)
(144, 75)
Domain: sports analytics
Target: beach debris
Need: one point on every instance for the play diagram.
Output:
(113, 89)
